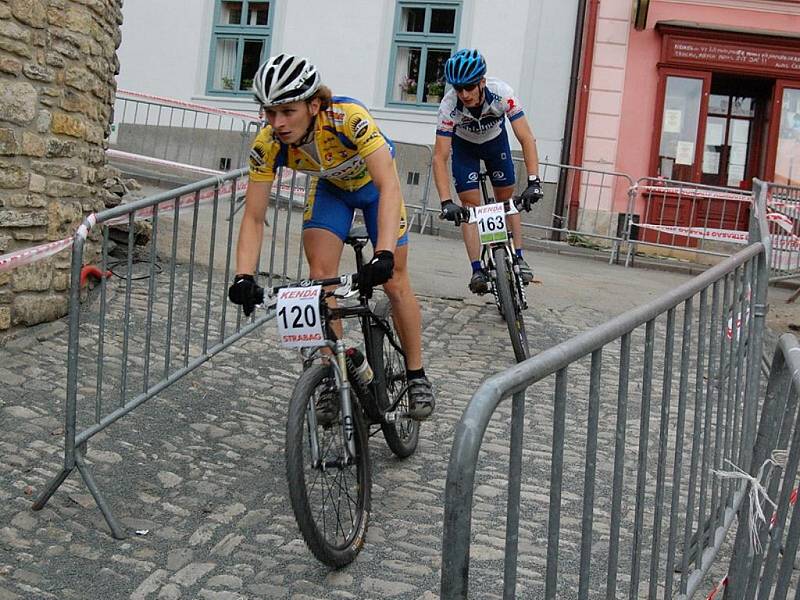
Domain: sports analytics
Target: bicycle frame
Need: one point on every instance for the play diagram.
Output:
(487, 251)
(366, 395)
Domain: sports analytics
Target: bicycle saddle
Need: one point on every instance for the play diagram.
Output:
(358, 236)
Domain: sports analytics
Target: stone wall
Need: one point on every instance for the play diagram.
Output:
(57, 66)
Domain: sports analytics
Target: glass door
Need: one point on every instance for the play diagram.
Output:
(727, 147)
(786, 152)
(685, 99)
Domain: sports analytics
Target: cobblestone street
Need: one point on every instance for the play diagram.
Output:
(201, 470)
(199, 473)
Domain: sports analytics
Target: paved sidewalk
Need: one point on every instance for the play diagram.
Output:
(199, 470)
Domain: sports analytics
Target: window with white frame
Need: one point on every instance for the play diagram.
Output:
(239, 43)
(425, 36)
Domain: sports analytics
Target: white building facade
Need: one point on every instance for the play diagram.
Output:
(389, 54)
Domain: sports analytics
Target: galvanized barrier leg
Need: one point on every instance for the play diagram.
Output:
(514, 485)
(425, 215)
(612, 260)
(54, 484)
(70, 405)
(116, 529)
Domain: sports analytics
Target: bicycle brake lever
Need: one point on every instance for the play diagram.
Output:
(346, 288)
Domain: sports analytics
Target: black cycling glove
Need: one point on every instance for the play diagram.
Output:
(455, 213)
(532, 194)
(246, 292)
(376, 272)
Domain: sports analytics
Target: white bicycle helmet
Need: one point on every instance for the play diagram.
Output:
(285, 78)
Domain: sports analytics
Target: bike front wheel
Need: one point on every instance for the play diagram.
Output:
(402, 435)
(330, 494)
(510, 307)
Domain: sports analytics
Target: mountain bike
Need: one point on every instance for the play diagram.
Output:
(499, 260)
(327, 456)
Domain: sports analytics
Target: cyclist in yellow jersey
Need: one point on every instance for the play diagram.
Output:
(336, 141)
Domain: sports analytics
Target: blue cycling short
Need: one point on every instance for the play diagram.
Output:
(329, 207)
(496, 154)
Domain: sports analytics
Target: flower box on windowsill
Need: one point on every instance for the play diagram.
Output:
(408, 97)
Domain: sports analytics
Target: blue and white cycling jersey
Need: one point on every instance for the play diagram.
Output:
(499, 102)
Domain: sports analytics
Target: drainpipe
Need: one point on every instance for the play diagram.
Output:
(575, 123)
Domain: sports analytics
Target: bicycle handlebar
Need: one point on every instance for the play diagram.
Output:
(348, 281)
(517, 200)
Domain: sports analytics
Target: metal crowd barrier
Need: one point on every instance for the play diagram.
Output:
(166, 313)
(594, 205)
(698, 219)
(180, 132)
(769, 573)
(702, 343)
(414, 163)
(783, 204)
(590, 216)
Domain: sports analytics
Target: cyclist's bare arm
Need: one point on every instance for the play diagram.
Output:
(524, 134)
(441, 152)
(251, 231)
(380, 165)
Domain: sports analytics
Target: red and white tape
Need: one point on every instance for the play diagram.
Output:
(189, 105)
(160, 162)
(723, 583)
(27, 256)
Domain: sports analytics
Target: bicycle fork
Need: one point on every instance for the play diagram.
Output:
(348, 426)
(346, 404)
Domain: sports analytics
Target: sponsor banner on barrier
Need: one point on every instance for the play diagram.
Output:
(692, 193)
(731, 235)
(785, 248)
(285, 184)
(707, 233)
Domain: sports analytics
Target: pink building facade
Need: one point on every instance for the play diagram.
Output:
(708, 92)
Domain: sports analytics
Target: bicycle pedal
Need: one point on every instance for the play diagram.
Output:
(393, 415)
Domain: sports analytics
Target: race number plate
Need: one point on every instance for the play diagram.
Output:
(491, 219)
(299, 322)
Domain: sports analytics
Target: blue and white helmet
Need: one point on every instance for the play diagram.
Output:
(464, 67)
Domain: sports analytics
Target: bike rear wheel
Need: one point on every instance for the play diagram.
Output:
(510, 307)
(402, 435)
(330, 499)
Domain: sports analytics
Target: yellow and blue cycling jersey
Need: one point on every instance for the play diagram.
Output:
(344, 135)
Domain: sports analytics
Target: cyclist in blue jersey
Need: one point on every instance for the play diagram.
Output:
(472, 125)
(350, 164)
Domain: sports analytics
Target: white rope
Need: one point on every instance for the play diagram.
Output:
(757, 492)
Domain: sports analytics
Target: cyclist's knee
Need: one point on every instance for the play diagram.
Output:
(471, 198)
(398, 287)
(322, 272)
(502, 194)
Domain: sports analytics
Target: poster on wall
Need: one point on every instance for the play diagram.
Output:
(711, 162)
(672, 121)
(715, 134)
(684, 153)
